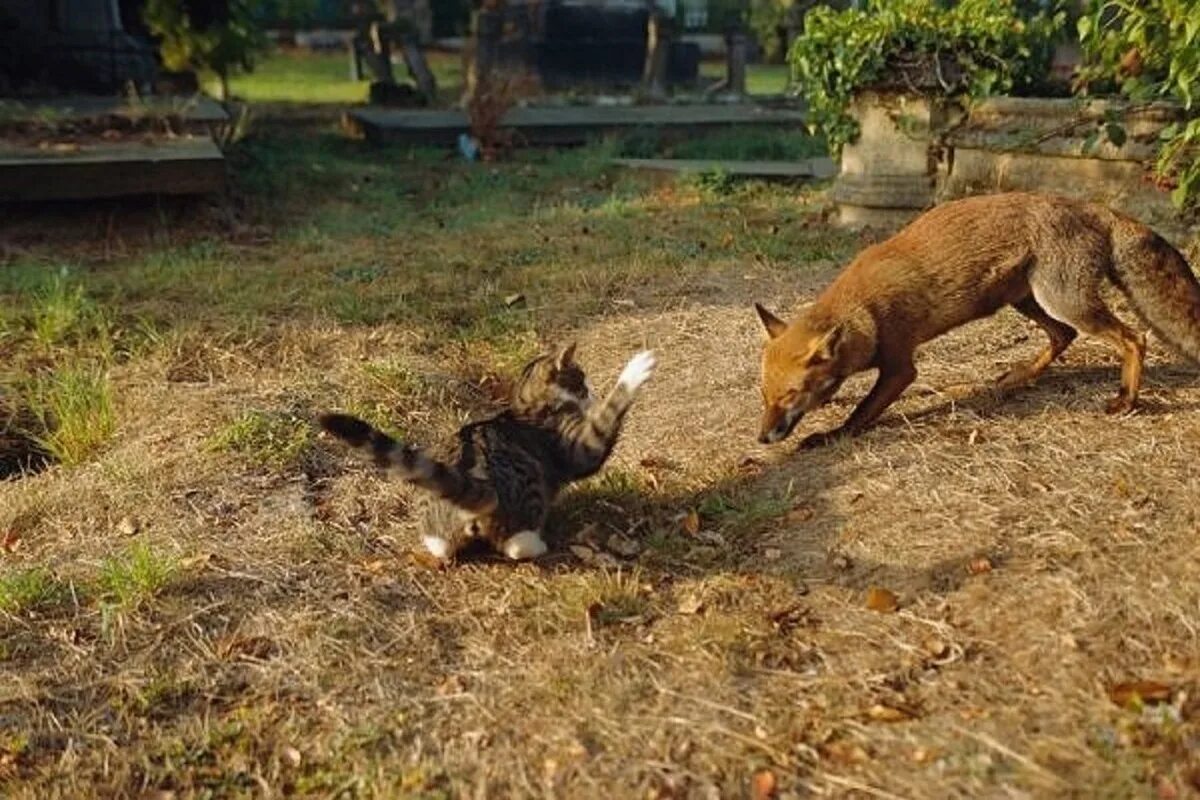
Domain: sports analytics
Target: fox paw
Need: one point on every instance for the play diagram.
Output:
(815, 440)
(1119, 405)
(637, 371)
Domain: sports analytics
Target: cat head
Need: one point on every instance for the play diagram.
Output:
(552, 384)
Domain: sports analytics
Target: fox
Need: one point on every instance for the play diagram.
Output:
(1045, 255)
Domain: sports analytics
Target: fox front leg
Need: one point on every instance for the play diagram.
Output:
(890, 384)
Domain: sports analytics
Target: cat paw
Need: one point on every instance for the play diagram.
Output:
(637, 371)
(523, 545)
(439, 547)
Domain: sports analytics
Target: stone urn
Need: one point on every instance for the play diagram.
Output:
(889, 174)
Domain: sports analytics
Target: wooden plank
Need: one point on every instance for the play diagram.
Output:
(110, 169)
(198, 110)
(562, 125)
(819, 168)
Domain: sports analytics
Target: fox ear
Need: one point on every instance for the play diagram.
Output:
(826, 348)
(565, 357)
(773, 324)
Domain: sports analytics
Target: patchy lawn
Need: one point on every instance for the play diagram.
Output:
(200, 596)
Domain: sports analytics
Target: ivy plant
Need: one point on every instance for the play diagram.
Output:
(1150, 50)
(974, 48)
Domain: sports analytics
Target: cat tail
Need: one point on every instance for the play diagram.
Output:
(411, 463)
(596, 435)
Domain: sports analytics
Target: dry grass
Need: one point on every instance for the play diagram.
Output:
(281, 635)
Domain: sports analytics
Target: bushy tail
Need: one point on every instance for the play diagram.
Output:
(1159, 283)
(411, 463)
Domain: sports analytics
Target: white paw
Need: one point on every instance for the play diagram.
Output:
(523, 545)
(438, 546)
(637, 371)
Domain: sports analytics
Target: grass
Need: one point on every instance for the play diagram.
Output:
(298, 76)
(28, 589)
(133, 576)
(273, 439)
(74, 406)
(702, 614)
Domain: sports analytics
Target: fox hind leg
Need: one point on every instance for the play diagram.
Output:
(1061, 335)
(1085, 311)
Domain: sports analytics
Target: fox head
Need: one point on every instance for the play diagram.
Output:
(801, 370)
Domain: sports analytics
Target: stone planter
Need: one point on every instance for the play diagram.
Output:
(1042, 144)
(889, 174)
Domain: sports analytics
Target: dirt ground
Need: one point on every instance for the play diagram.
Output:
(983, 596)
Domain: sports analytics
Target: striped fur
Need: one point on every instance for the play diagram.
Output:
(510, 467)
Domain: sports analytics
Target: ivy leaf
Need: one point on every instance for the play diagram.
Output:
(1115, 134)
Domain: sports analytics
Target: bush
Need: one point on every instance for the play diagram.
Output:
(976, 48)
(1151, 51)
(214, 37)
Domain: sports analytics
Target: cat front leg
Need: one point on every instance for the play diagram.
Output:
(524, 545)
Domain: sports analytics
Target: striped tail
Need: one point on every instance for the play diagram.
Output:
(447, 482)
(592, 438)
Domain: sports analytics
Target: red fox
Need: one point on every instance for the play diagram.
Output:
(1044, 255)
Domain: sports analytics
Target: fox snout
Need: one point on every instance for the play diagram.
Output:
(778, 423)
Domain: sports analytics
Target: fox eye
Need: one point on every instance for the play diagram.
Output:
(791, 396)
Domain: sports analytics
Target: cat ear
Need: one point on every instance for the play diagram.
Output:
(566, 357)
(773, 324)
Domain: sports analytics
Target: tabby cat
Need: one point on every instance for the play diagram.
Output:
(509, 468)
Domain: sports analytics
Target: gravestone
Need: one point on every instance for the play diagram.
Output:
(604, 43)
(70, 46)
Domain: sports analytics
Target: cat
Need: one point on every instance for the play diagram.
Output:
(509, 468)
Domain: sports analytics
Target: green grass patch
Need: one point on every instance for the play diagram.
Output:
(299, 76)
(74, 408)
(274, 439)
(747, 143)
(29, 589)
(131, 577)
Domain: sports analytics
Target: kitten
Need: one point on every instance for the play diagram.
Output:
(509, 468)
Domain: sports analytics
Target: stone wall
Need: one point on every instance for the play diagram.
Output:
(1050, 145)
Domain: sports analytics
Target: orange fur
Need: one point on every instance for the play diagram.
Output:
(1046, 256)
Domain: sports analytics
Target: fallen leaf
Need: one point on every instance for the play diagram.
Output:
(842, 562)
(452, 684)
(692, 604)
(801, 513)
(882, 600)
(691, 522)
(9, 541)
(290, 756)
(1165, 789)
(845, 752)
(256, 648)
(127, 527)
(885, 713)
(921, 755)
(1123, 694)
(514, 299)
(727, 239)
(375, 567)
(772, 554)
(764, 785)
(749, 465)
(623, 546)
(980, 565)
(585, 554)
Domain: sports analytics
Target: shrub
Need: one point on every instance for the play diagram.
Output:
(975, 48)
(1151, 51)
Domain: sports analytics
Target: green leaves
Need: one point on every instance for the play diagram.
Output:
(991, 47)
(1149, 51)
